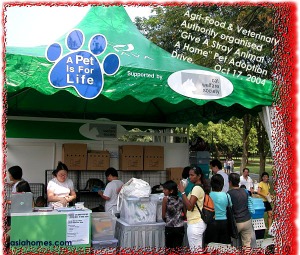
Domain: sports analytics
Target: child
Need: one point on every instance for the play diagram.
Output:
(173, 215)
(23, 186)
(40, 202)
(244, 187)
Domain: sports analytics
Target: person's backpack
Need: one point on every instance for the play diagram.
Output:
(208, 211)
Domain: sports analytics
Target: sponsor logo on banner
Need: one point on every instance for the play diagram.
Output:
(200, 84)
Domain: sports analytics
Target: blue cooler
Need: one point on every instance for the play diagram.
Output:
(259, 208)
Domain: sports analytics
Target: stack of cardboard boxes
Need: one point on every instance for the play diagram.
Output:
(74, 156)
(137, 157)
(131, 157)
(77, 157)
(98, 160)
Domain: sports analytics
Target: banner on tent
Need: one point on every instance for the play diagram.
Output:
(81, 69)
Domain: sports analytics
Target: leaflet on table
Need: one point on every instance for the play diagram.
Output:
(43, 209)
(78, 227)
(68, 209)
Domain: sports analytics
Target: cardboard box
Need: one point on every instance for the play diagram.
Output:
(74, 155)
(131, 157)
(98, 160)
(174, 174)
(154, 158)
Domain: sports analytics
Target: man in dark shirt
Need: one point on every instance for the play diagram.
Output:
(241, 212)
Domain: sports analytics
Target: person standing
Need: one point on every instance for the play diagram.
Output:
(240, 209)
(173, 215)
(264, 192)
(246, 180)
(217, 231)
(185, 175)
(15, 174)
(227, 169)
(230, 164)
(216, 168)
(112, 189)
(195, 225)
(60, 189)
(225, 165)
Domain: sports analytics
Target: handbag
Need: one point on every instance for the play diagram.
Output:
(232, 228)
(272, 230)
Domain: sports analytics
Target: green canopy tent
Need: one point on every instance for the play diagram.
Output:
(139, 91)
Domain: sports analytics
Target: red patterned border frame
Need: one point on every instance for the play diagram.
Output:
(283, 122)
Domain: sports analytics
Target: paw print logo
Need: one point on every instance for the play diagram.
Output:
(81, 69)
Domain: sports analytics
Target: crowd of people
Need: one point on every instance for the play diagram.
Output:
(61, 191)
(180, 201)
(224, 189)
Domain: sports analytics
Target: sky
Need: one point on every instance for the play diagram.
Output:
(41, 25)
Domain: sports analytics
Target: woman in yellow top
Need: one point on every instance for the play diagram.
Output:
(195, 224)
(264, 192)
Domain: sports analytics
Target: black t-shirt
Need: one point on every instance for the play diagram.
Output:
(239, 200)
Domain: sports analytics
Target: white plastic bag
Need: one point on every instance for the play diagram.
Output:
(272, 229)
(133, 188)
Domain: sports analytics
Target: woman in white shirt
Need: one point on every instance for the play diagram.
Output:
(60, 190)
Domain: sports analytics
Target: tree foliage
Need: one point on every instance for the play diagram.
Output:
(168, 26)
(225, 137)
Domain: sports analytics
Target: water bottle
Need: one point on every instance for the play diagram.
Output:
(184, 183)
(255, 186)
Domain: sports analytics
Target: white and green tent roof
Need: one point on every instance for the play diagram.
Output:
(139, 91)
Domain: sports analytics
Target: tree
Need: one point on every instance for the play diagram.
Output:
(263, 144)
(225, 137)
(246, 131)
(170, 26)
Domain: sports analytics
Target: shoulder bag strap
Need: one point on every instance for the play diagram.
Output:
(197, 200)
(201, 213)
(229, 204)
